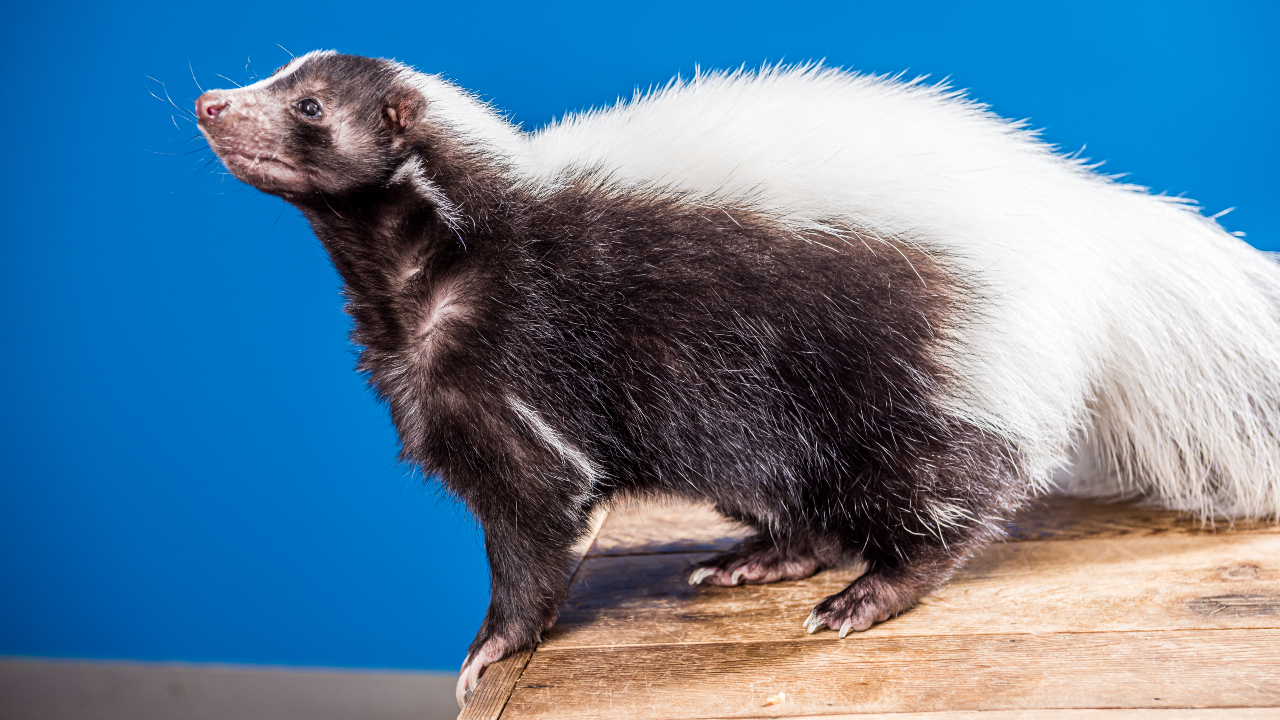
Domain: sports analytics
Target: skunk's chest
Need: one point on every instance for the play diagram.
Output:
(427, 319)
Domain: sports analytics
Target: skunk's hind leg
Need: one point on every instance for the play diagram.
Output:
(934, 512)
(881, 593)
(760, 559)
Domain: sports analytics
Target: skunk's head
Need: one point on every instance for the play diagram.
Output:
(325, 123)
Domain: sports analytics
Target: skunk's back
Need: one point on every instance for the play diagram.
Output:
(1109, 321)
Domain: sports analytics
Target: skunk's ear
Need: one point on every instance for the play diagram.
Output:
(403, 110)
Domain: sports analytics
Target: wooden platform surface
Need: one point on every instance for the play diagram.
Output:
(1090, 611)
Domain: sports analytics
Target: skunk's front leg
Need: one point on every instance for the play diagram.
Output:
(531, 524)
(528, 580)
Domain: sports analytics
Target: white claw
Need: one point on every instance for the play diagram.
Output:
(814, 623)
(460, 693)
(701, 574)
(468, 679)
(737, 575)
(845, 628)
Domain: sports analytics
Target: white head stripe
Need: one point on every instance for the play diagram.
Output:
(287, 70)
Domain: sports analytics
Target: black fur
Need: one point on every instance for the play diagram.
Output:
(708, 353)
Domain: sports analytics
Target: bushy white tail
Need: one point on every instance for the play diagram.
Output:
(1187, 409)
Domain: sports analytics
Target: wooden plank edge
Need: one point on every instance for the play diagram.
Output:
(500, 678)
(832, 635)
(600, 680)
(495, 688)
(1254, 712)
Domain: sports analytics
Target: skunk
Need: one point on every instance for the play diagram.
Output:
(866, 317)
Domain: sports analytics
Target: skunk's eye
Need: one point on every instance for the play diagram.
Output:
(308, 107)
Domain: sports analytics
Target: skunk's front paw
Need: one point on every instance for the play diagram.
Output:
(493, 650)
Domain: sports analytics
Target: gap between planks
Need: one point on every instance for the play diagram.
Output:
(672, 645)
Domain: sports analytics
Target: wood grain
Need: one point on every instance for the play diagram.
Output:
(1091, 611)
(1119, 584)
(1066, 518)
(490, 697)
(637, 527)
(1221, 668)
(1234, 713)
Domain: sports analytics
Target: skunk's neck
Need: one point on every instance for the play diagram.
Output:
(371, 237)
(396, 248)
(423, 217)
(444, 197)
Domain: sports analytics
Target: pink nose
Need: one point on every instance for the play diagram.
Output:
(210, 105)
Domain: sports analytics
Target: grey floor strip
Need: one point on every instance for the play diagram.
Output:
(33, 689)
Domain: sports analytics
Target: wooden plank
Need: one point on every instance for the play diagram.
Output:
(682, 526)
(1234, 713)
(1121, 568)
(1119, 584)
(499, 679)
(1217, 668)
(637, 528)
(495, 687)
(1068, 518)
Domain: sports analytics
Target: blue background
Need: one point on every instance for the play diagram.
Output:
(190, 467)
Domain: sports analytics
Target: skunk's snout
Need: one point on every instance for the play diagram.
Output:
(209, 106)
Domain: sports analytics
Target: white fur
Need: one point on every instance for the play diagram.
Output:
(410, 171)
(471, 121)
(1121, 335)
(553, 441)
(287, 70)
(446, 304)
